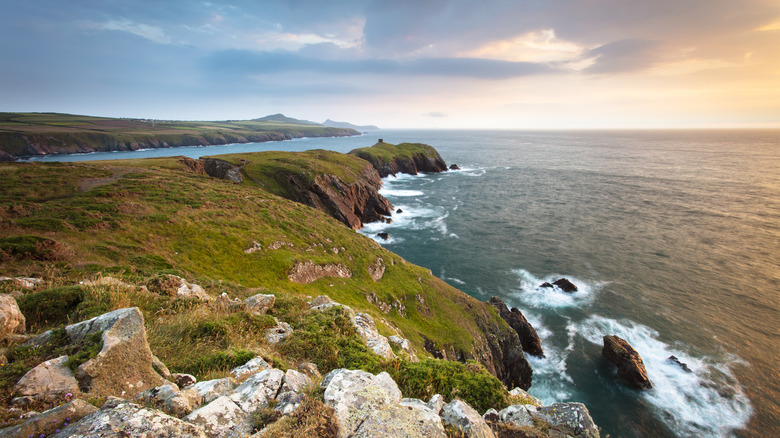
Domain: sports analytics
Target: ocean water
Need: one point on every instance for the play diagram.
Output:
(673, 238)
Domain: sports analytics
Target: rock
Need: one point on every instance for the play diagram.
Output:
(287, 402)
(160, 367)
(413, 402)
(156, 396)
(402, 421)
(629, 363)
(454, 167)
(516, 415)
(399, 211)
(565, 285)
(436, 403)
(210, 390)
(356, 395)
(222, 418)
(572, 419)
(546, 285)
(189, 290)
(11, 318)
(253, 366)
(464, 418)
(256, 246)
(183, 380)
(684, 366)
(259, 304)
(124, 364)
(50, 421)
(182, 402)
(405, 346)
(118, 418)
(307, 272)
(107, 281)
(491, 415)
(320, 300)
(310, 369)
(389, 162)
(295, 381)
(366, 329)
(528, 336)
(258, 390)
(527, 398)
(275, 334)
(383, 235)
(24, 282)
(377, 269)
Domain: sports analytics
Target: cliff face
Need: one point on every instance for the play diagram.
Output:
(353, 204)
(411, 158)
(528, 336)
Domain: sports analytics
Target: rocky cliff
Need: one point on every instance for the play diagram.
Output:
(411, 158)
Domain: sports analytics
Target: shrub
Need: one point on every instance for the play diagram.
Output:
(51, 307)
(218, 361)
(27, 247)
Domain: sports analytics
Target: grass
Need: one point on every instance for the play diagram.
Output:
(384, 153)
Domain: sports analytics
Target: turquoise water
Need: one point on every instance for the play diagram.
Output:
(673, 238)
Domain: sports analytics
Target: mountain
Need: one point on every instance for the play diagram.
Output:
(281, 118)
(333, 124)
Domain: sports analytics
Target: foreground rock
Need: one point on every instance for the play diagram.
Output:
(629, 364)
(571, 419)
(11, 319)
(356, 395)
(124, 365)
(464, 418)
(50, 381)
(403, 420)
(528, 336)
(51, 421)
(118, 418)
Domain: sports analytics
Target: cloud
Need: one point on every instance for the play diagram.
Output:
(435, 114)
(624, 56)
(151, 33)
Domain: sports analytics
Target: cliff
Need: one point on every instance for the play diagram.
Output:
(411, 158)
(30, 134)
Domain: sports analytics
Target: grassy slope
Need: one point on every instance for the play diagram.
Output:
(383, 153)
(102, 133)
(158, 217)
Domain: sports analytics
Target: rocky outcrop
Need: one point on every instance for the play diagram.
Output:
(307, 272)
(465, 419)
(216, 168)
(124, 364)
(259, 304)
(51, 421)
(571, 419)
(366, 329)
(528, 336)
(629, 364)
(562, 283)
(408, 158)
(353, 204)
(50, 381)
(683, 366)
(11, 319)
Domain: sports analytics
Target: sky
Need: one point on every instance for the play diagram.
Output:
(477, 64)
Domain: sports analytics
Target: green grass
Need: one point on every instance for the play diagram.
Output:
(383, 153)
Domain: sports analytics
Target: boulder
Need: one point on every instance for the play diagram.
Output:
(295, 381)
(464, 418)
(210, 390)
(565, 285)
(516, 415)
(377, 269)
(356, 395)
(254, 365)
(527, 399)
(50, 421)
(24, 282)
(436, 403)
(629, 364)
(402, 421)
(288, 402)
(366, 329)
(119, 418)
(222, 418)
(275, 334)
(320, 300)
(124, 364)
(50, 381)
(183, 380)
(11, 318)
(571, 419)
(491, 416)
(258, 390)
(673, 359)
(399, 211)
(528, 336)
(259, 304)
(454, 166)
(405, 346)
(307, 272)
(383, 235)
(182, 402)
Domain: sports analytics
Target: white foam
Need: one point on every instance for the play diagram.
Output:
(399, 193)
(543, 297)
(707, 402)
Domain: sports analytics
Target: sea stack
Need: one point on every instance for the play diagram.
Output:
(528, 336)
(629, 363)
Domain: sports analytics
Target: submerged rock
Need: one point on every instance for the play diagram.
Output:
(684, 366)
(629, 363)
(383, 235)
(565, 285)
(454, 166)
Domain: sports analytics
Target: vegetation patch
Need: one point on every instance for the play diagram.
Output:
(51, 307)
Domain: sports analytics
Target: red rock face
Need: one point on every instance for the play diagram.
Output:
(629, 363)
(354, 204)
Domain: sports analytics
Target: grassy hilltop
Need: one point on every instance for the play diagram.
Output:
(139, 220)
(26, 134)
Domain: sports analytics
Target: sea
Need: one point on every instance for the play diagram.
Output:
(672, 238)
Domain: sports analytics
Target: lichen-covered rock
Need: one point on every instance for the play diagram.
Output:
(50, 421)
(210, 390)
(295, 381)
(629, 364)
(402, 421)
(254, 365)
(24, 282)
(259, 304)
(320, 300)
(287, 402)
(222, 418)
(524, 397)
(11, 318)
(464, 418)
(436, 403)
(156, 396)
(275, 334)
(569, 418)
(491, 415)
(183, 380)
(366, 329)
(124, 364)
(258, 390)
(182, 402)
(516, 415)
(377, 269)
(405, 346)
(355, 395)
(119, 418)
(49, 381)
(307, 272)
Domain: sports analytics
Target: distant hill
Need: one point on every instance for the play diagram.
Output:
(333, 124)
(281, 118)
